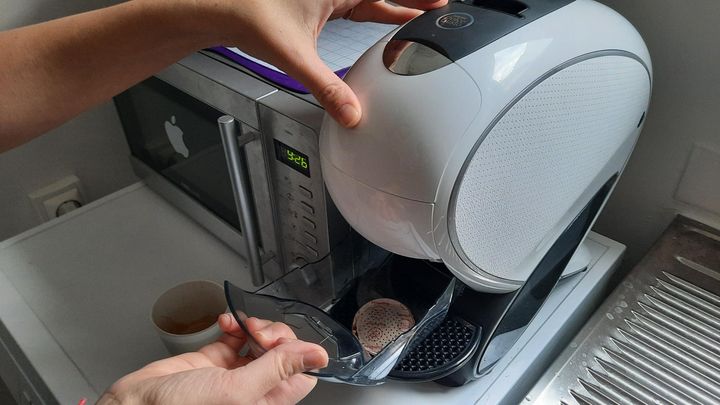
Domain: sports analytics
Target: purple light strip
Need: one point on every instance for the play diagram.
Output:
(274, 76)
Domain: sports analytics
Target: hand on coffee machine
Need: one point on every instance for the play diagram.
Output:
(285, 33)
(216, 374)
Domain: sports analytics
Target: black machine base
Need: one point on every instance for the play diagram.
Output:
(480, 328)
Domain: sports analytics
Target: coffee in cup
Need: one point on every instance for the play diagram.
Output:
(185, 316)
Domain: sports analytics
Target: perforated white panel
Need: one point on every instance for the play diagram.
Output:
(539, 158)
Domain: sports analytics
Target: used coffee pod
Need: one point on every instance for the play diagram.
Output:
(379, 322)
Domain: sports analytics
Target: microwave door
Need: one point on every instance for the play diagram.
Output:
(177, 148)
(205, 176)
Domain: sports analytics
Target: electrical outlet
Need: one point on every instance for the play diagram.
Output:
(58, 198)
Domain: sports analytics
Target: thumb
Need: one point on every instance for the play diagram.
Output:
(279, 364)
(334, 94)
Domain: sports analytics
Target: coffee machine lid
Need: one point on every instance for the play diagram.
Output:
(349, 362)
(483, 135)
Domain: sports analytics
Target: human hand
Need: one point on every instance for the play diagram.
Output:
(216, 374)
(285, 32)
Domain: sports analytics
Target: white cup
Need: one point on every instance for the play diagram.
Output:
(185, 316)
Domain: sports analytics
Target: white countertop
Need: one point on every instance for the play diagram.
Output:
(76, 293)
(75, 297)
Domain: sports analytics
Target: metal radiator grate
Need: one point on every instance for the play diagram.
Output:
(668, 351)
(656, 339)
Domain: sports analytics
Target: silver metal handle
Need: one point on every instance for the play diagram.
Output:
(237, 166)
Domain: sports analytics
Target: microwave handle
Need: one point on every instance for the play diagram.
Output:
(230, 132)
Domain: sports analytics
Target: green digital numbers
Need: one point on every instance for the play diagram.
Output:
(292, 157)
(297, 159)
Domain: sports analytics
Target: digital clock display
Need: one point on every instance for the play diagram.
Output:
(292, 157)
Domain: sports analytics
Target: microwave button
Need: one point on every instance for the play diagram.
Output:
(305, 192)
(308, 222)
(307, 207)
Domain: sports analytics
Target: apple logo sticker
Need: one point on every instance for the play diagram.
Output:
(175, 135)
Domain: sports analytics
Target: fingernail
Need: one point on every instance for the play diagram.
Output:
(313, 360)
(348, 115)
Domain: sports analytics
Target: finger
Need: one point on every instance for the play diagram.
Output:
(292, 390)
(266, 335)
(422, 4)
(254, 324)
(257, 345)
(382, 12)
(336, 96)
(234, 336)
(268, 332)
(269, 335)
(278, 365)
(233, 342)
(393, 50)
(230, 326)
(222, 354)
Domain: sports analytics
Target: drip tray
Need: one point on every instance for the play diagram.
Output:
(438, 354)
(656, 339)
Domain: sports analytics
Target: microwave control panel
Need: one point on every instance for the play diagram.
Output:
(297, 184)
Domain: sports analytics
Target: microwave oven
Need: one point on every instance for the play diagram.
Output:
(264, 153)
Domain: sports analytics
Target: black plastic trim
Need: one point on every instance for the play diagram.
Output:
(512, 312)
(491, 20)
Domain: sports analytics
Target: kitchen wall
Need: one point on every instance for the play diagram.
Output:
(91, 146)
(683, 127)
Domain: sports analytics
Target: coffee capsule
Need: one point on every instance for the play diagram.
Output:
(379, 322)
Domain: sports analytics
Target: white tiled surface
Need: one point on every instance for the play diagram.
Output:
(341, 43)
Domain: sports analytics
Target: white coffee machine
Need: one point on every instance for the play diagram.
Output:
(493, 132)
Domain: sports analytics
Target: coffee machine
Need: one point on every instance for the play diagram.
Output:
(493, 132)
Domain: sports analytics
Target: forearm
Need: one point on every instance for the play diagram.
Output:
(52, 71)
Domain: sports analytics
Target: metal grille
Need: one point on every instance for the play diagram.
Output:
(441, 349)
(668, 350)
(656, 339)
